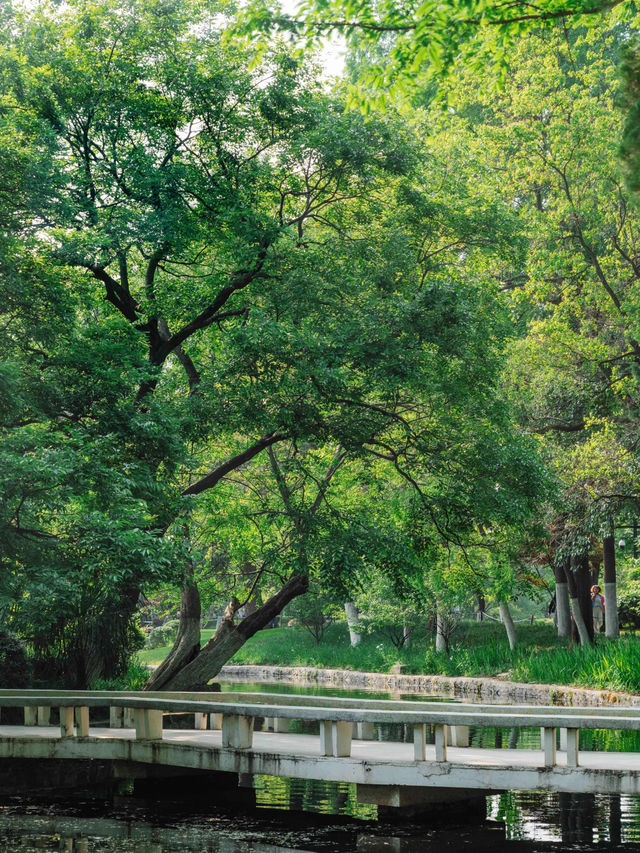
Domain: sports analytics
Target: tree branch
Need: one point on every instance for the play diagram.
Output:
(214, 477)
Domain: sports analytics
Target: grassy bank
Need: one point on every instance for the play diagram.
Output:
(477, 650)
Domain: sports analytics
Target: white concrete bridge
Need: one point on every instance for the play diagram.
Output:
(247, 733)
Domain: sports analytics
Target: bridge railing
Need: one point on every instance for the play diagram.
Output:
(338, 717)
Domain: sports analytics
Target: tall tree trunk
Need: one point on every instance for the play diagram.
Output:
(611, 627)
(229, 638)
(442, 644)
(507, 621)
(407, 636)
(563, 613)
(583, 582)
(578, 619)
(482, 606)
(353, 623)
(187, 643)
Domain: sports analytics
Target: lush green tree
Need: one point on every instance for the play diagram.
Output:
(237, 264)
(410, 43)
(551, 140)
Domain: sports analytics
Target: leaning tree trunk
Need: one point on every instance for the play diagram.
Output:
(353, 623)
(507, 621)
(576, 611)
(187, 643)
(229, 638)
(611, 627)
(563, 612)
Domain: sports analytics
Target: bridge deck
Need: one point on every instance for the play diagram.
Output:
(369, 751)
(372, 763)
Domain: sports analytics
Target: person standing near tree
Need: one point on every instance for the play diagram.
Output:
(597, 604)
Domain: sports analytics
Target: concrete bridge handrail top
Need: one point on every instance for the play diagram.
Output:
(461, 715)
(109, 697)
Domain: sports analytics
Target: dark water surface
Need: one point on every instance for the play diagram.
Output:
(271, 814)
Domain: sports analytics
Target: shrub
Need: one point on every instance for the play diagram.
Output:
(629, 606)
(15, 668)
(163, 635)
(134, 678)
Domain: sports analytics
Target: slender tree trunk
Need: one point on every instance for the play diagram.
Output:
(507, 621)
(583, 581)
(611, 627)
(353, 623)
(229, 638)
(563, 613)
(441, 634)
(583, 634)
(482, 606)
(407, 636)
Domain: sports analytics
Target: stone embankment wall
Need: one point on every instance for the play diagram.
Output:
(470, 689)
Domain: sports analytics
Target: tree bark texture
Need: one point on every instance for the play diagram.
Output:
(583, 582)
(563, 611)
(187, 643)
(576, 611)
(611, 627)
(229, 638)
(507, 621)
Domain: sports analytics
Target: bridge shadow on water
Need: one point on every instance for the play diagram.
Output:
(82, 809)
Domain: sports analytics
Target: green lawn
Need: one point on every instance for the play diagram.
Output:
(477, 650)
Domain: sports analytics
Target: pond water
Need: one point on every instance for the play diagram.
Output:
(275, 814)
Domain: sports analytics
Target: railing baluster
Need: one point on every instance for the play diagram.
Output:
(419, 741)
(548, 746)
(441, 741)
(237, 731)
(326, 745)
(116, 716)
(66, 722)
(82, 721)
(148, 724)
(572, 747)
(458, 735)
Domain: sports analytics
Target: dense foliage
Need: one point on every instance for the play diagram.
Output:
(253, 339)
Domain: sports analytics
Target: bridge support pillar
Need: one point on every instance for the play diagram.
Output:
(399, 802)
(237, 731)
(30, 716)
(44, 715)
(215, 721)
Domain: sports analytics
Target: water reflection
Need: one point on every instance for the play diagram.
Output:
(517, 823)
